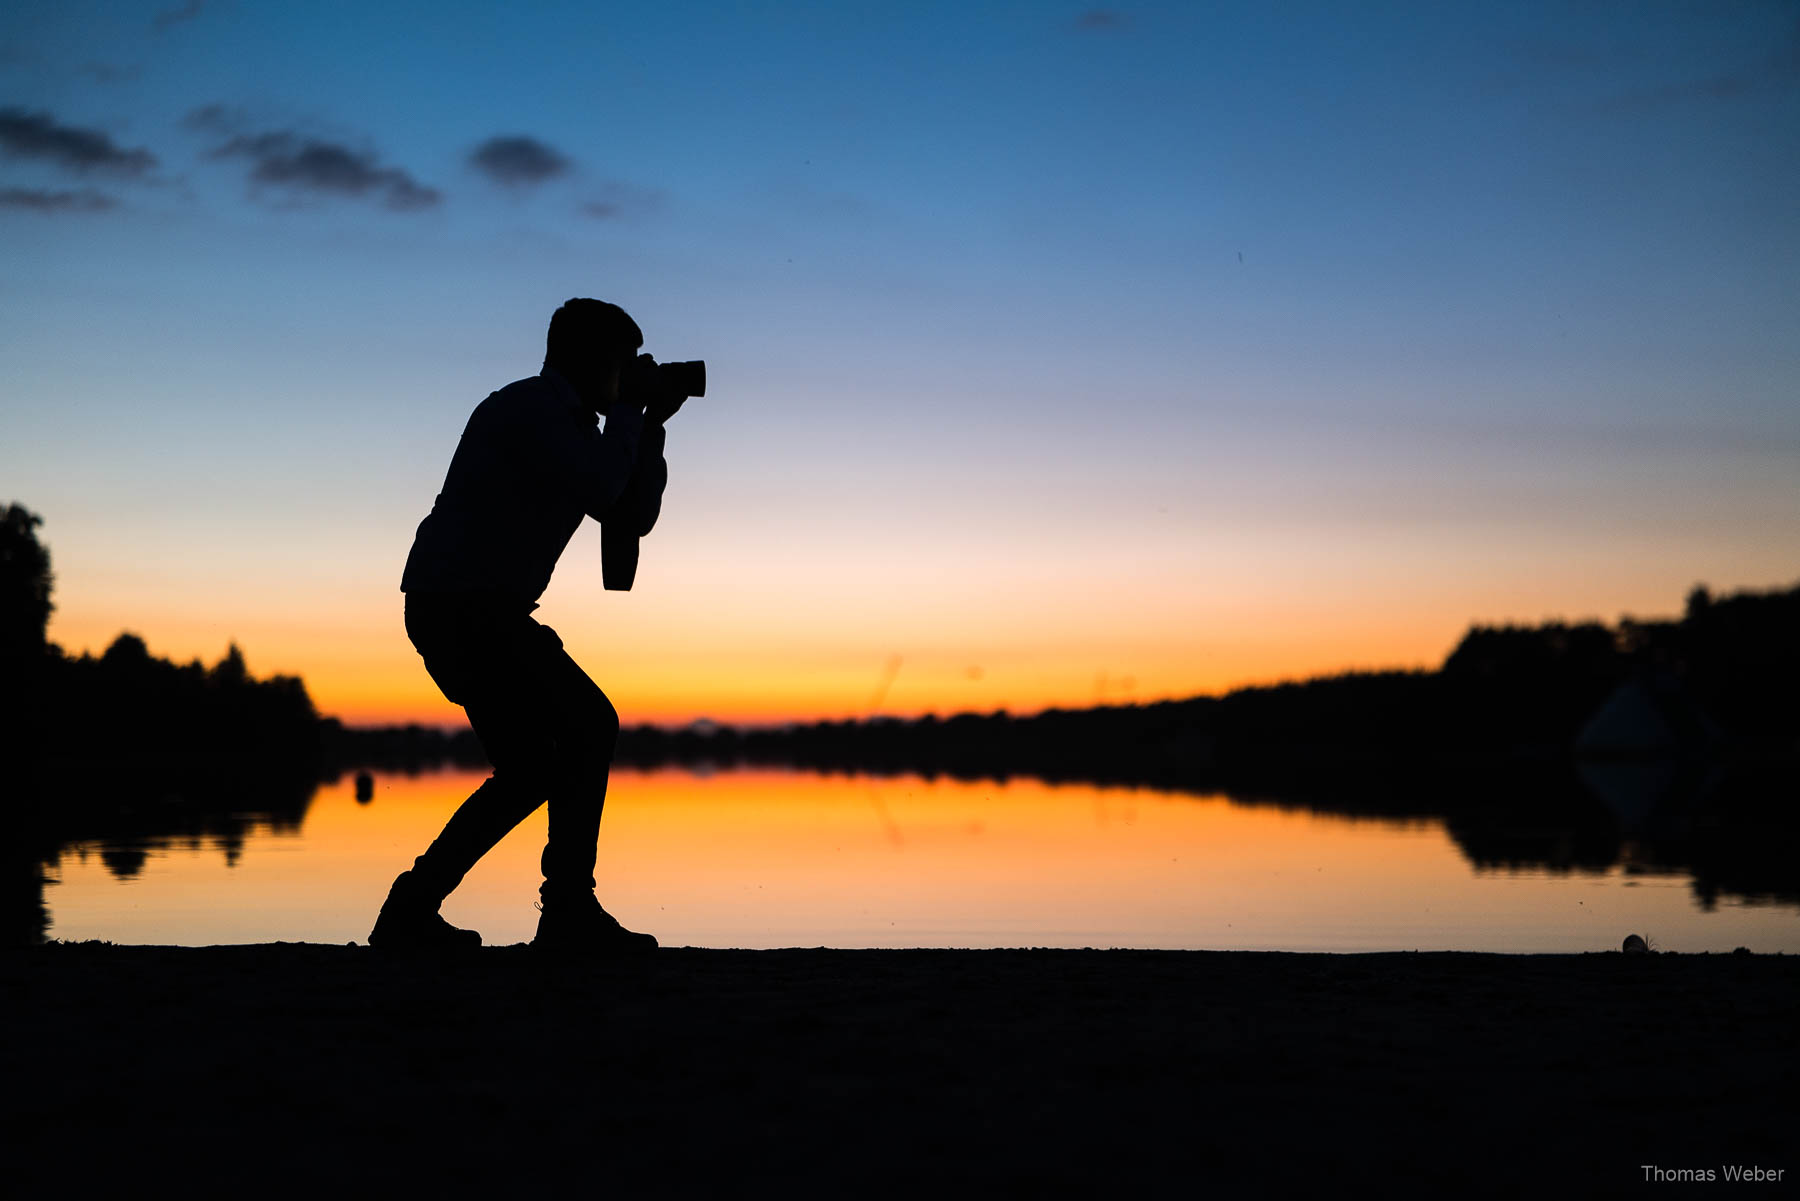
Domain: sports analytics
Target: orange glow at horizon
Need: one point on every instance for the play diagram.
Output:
(811, 635)
(377, 678)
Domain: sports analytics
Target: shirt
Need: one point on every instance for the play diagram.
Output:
(532, 462)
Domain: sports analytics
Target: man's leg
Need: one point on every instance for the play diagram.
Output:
(585, 729)
(514, 703)
(550, 733)
(489, 661)
(502, 801)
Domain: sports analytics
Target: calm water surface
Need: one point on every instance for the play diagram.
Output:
(772, 858)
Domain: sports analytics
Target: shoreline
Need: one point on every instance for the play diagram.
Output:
(1018, 1071)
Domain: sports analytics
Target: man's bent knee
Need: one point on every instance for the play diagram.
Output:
(606, 725)
(523, 783)
(594, 727)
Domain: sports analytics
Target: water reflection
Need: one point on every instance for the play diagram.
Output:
(127, 822)
(771, 857)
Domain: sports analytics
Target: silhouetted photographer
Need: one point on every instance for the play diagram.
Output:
(533, 461)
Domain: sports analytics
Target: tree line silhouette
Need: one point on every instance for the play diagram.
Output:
(1518, 692)
(130, 749)
(127, 706)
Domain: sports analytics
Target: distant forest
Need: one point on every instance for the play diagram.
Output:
(1722, 677)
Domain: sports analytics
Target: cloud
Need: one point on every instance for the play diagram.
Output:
(518, 161)
(215, 118)
(25, 134)
(1775, 68)
(171, 17)
(617, 199)
(39, 200)
(1098, 19)
(110, 72)
(299, 164)
(1770, 72)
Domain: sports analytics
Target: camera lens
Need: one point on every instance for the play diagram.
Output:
(685, 379)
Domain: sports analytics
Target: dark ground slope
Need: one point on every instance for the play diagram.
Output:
(289, 1068)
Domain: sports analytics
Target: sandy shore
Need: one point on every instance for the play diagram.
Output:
(289, 1068)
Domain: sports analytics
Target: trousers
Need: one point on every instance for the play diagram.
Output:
(547, 729)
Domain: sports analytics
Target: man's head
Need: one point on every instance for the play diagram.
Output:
(590, 341)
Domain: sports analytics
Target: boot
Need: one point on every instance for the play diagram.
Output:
(574, 923)
(409, 921)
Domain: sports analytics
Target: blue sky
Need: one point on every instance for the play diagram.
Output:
(1226, 341)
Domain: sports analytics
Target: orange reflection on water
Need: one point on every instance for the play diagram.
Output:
(776, 858)
(765, 858)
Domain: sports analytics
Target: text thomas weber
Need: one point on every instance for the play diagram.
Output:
(1747, 1173)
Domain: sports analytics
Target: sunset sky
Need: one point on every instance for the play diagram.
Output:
(1057, 355)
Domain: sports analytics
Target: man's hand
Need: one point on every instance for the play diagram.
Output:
(662, 408)
(641, 383)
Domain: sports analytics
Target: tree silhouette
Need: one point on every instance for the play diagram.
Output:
(126, 653)
(231, 670)
(25, 583)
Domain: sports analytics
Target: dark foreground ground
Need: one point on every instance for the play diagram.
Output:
(289, 1069)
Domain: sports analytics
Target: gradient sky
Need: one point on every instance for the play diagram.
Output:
(1057, 354)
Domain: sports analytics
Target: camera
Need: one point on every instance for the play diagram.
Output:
(683, 379)
(649, 379)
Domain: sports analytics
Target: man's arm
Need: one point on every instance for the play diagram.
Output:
(635, 513)
(641, 503)
(637, 509)
(590, 465)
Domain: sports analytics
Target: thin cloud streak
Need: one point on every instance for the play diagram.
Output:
(27, 134)
(169, 18)
(617, 199)
(101, 72)
(41, 200)
(1775, 70)
(1101, 19)
(1778, 70)
(214, 118)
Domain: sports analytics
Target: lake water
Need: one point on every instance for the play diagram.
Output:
(777, 858)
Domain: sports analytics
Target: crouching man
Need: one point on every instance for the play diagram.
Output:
(533, 461)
